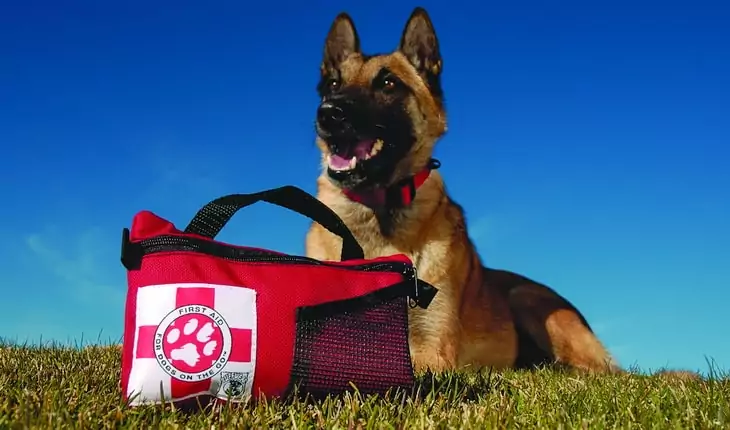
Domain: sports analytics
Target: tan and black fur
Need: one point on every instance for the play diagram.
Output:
(480, 316)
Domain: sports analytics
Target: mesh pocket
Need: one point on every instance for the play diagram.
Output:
(363, 341)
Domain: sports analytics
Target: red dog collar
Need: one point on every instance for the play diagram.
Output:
(400, 194)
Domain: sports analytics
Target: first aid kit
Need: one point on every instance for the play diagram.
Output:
(209, 319)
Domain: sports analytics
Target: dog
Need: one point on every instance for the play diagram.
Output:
(378, 121)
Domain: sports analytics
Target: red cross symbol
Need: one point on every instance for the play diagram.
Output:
(240, 341)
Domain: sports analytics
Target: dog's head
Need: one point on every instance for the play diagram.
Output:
(380, 115)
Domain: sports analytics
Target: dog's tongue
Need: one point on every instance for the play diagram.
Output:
(339, 162)
(360, 151)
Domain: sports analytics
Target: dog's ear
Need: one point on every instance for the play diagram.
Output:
(420, 45)
(342, 40)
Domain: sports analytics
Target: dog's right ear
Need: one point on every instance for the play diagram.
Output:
(342, 40)
(419, 43)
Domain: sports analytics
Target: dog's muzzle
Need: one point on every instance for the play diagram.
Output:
(344, 115)
(332, 118)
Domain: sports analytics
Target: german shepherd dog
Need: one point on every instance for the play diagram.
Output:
(378, 121)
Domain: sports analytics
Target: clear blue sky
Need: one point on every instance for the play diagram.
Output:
(589, 143)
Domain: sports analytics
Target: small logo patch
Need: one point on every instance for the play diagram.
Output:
(192, 343)
(233, 384)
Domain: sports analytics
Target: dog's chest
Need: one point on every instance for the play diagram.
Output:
(375, 244)
(378, 239)
(381, 234)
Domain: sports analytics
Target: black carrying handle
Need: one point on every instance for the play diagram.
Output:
(211, 219)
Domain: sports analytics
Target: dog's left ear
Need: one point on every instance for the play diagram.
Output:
(342, 40)
(419, 43)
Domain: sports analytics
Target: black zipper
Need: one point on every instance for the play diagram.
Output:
(132, 253)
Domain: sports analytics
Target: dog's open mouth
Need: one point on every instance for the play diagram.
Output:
(348, 157)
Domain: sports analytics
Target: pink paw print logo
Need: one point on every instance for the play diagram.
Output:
(193, 343)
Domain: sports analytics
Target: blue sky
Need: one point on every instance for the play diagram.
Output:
(588, 143)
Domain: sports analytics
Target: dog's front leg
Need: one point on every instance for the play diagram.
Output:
(434, 336)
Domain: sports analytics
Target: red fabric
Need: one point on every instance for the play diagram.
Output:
(281, 288)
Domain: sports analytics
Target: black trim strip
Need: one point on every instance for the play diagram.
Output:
(133, 252)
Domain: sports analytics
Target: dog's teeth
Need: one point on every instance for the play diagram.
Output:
(377, 146)
(353, 161)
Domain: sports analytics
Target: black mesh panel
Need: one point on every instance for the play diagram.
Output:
(363, 341)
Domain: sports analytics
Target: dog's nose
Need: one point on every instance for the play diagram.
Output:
(330, 116)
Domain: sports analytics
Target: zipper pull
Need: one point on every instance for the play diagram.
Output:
(132, 252)
(423, 292)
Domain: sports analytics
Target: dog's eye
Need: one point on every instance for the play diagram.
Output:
(386, 83)
(333, 84)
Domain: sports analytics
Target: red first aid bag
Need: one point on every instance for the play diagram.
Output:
(207, 319)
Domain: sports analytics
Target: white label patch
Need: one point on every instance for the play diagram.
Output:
(193, 339)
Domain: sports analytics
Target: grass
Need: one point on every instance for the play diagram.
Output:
(54, 387)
